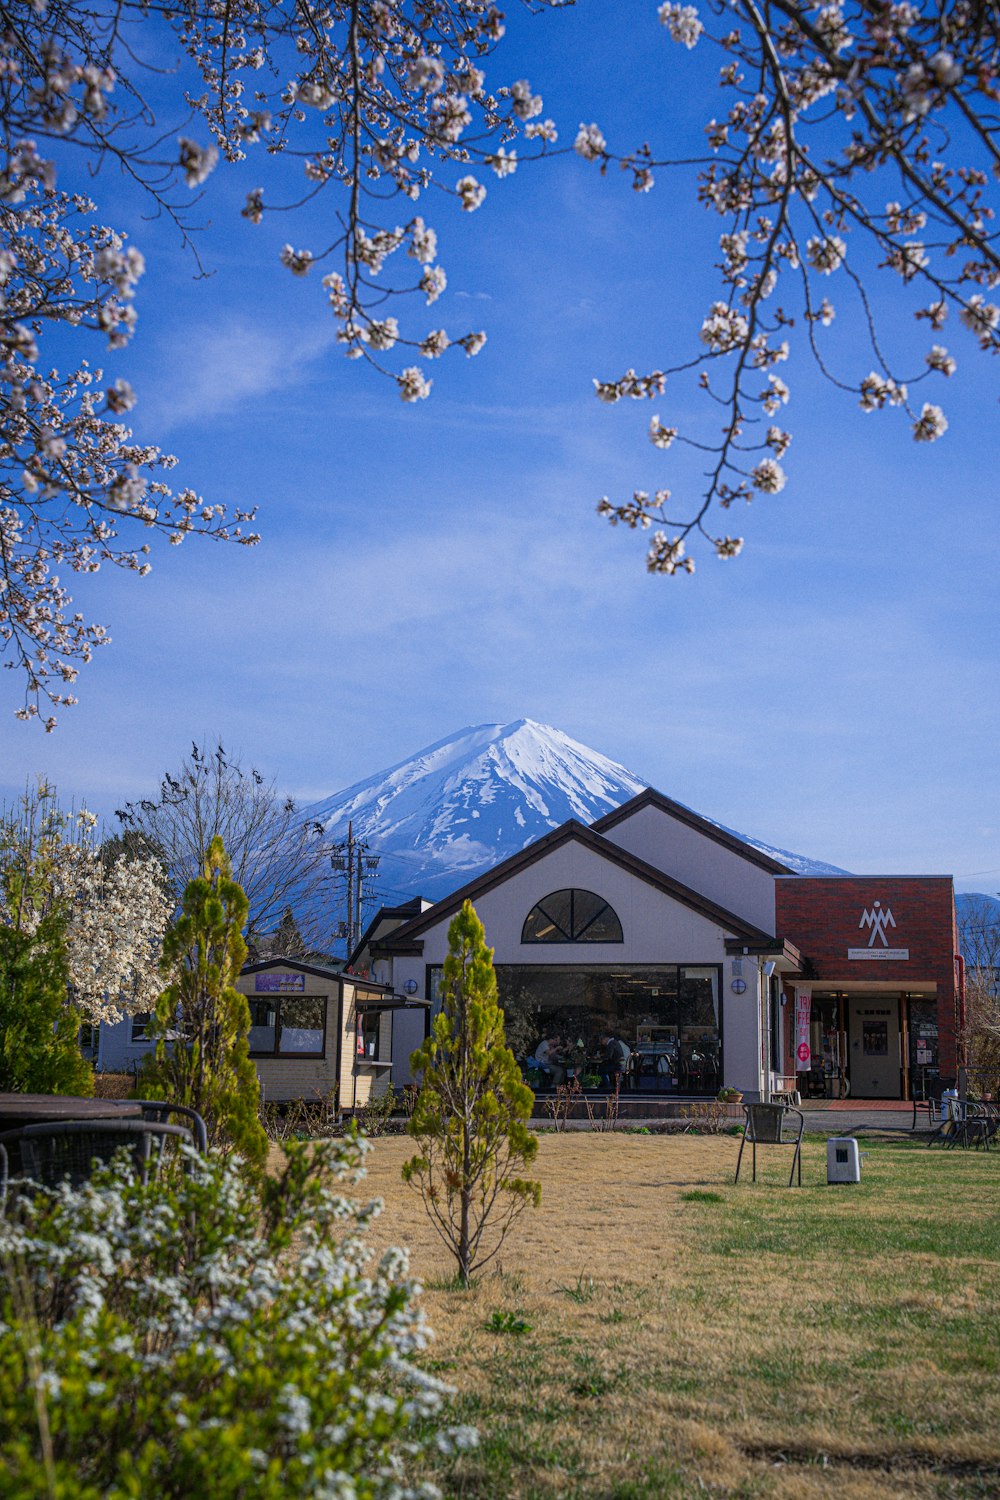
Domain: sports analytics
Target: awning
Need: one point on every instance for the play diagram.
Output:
(390, 1002)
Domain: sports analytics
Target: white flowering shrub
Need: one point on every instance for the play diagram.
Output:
(114, 912)
(208, 1338)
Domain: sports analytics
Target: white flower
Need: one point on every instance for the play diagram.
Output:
(434, 345)
(120, 396)
(425, 74)
(768, 476)
(253, 209)
(381, 335)
(729, 546)
(503, 162)
(298, 262)
(472, 343)
(470, 192)
(660, 436)
(826, 255)
(682, 22)
(526, 104)
(196, 161)
(947, 72)
(981, 317)
(931, 424)
(590, 143)
(542, 130)
(724, 328)
(423, 242)
(412, 385)
(939, 359)
(876, 390)
(433, 283)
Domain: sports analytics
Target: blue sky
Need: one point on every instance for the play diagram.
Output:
(832, 690)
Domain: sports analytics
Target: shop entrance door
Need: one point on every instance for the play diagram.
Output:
(874, 1047)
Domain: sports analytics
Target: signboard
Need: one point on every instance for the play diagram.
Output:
(878, 919)
(281, 984)
(803, 1012)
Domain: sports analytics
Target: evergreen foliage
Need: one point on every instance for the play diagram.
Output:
(470, 1116)
(39, 1029)
(202, 1022)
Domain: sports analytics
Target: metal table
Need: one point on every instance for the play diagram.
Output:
(36, 1109)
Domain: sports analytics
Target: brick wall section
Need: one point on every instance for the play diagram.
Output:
(821, 917)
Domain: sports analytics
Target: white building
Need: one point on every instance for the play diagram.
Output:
(653, 925)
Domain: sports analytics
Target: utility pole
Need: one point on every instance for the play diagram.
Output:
(354, 859)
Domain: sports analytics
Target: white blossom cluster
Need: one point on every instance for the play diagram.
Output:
(845, 122)
(378, 99)
(115, 911)
(198, 1303)
(71, 477)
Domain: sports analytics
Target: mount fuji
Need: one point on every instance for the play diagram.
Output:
(463, 804)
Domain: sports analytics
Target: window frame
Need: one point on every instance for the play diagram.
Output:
(278, 1002)
(576, 934)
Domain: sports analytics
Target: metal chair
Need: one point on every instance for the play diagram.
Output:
(765, 1126)
(159, 1111)
(67, 1150)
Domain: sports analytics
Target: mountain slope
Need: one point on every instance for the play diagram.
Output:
(461, 805)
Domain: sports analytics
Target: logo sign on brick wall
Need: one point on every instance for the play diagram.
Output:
(803, 1011)
(878, 919)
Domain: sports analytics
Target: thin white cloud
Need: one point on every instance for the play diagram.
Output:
(226, 365)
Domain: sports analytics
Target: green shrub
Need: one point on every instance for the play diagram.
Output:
(210, 1337)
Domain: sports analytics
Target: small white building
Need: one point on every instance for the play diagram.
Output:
(315, 1033)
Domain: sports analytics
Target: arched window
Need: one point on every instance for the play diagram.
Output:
(572, 916)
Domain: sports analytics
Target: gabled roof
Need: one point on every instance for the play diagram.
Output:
(652, 798)
(398, 914)
(320, 971)
(402, 940)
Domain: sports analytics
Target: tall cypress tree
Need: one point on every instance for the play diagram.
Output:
(202, 1022)
(470, 1118)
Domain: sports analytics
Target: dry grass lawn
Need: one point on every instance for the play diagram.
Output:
(681, 1336)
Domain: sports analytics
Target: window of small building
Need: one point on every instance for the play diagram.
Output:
(263, 1025)
(288, 1026)
(369, 1027)
(301, 1025)
(572, 916)
(140, 1026)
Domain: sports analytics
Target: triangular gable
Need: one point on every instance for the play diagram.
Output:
(570, 831)
(652, 798)
(317, 970)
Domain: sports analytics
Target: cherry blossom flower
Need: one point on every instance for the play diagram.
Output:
(931, 424)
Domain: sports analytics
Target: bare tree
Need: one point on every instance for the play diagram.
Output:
(979, 939)
(281, 860)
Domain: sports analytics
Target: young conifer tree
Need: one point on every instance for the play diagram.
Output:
(202, 1022)
(470, 1116)
(39, 1029)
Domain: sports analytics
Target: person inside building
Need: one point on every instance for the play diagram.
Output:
(613, 1061)
(549, 1061)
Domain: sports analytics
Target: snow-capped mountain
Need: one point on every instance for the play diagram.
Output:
(458, 807)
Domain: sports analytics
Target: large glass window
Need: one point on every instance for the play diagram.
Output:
(668, 1017)
(572, 916)
(289, 1025)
